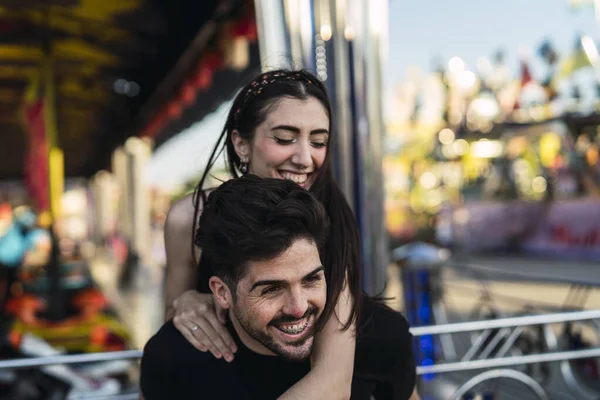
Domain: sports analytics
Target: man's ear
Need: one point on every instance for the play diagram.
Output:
(221, 291)
(241, 146)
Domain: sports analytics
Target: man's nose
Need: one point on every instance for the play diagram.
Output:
(296, 305)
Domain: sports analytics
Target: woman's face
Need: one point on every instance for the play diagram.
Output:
(290, 144)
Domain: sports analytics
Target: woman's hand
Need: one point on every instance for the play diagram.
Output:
(200, 319)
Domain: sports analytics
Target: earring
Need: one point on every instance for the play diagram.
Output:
(244, 167)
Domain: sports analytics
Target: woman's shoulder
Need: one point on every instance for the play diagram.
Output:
(181, 213)
(180, 218)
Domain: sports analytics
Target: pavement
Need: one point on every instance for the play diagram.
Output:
(140, 304)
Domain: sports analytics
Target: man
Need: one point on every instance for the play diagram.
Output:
(264, 239)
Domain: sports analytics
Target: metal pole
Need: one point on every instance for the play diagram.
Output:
(372, 160)
(273, 43)
(506, 322)
(338, 70)
(358, 66)
(508, 361)
(300, 23)
(70, 359)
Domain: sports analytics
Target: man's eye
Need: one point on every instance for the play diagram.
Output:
(313, 279)
(270, 290)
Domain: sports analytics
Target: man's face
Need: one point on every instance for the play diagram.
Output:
(279, 300)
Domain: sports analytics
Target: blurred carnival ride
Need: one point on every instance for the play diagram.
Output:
(472, 148)
(28, 256)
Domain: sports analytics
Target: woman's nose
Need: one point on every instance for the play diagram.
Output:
(302, 158)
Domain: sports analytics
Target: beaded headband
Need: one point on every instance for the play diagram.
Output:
(257, 86)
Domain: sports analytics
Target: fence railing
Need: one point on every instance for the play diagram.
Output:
(493, 343)
(416, 331)
(64, 359)
(466, 364)
(514, 322)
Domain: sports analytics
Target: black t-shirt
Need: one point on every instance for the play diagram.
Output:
(384, 364)
(383, 368)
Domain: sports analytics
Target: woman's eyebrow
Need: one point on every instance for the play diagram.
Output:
(286, 128)
(296, 130)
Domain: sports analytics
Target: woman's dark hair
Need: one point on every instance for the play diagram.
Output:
(342, 258)
(256, 219)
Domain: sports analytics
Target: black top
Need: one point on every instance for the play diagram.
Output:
(173, 369)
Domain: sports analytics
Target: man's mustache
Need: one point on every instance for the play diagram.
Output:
(286, 319)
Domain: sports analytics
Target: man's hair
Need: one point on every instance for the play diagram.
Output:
(255, 219)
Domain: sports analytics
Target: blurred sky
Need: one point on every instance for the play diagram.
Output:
(419, 32)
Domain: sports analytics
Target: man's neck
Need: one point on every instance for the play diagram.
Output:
(247, 340)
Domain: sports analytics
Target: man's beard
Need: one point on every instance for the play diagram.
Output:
(269, 341)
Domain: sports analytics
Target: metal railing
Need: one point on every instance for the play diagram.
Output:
(534, 386)
(502, 334)
(65, 359)
(125, 396)
(465, 365)
(491, 342)
(416, 331)
(508, 361)
(516, 322)
(506, 322)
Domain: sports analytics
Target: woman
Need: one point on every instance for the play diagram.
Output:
(279, 126)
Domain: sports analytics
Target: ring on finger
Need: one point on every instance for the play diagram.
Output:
(194, 328)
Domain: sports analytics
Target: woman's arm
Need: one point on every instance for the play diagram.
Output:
(415, 395)
(332, 377)
(332, 359)
(181, 271)
(196, 315)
